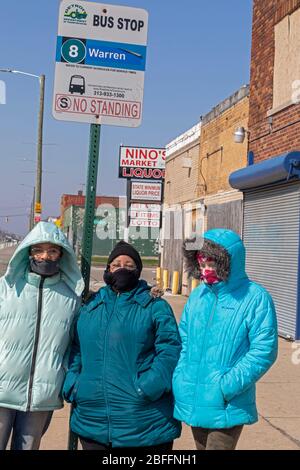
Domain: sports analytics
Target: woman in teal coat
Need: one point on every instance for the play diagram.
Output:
(229, 340)
(120, 373)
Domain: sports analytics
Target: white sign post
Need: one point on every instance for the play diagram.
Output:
(145, 215)
(146, 191)
(100, 63)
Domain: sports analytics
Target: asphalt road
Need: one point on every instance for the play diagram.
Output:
(5, 255)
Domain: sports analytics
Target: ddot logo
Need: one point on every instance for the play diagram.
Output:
(75, 13)
(2, 92)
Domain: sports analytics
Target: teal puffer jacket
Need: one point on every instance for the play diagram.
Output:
(229, 340)
(121, 367)
(36, 320)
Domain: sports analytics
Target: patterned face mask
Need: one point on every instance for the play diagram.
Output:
(207, 268)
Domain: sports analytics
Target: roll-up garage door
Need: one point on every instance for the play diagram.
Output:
(271, 237)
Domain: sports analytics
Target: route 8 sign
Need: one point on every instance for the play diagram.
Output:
(100, 63)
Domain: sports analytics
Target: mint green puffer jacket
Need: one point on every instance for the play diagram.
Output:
(229, 340)
(36, 320)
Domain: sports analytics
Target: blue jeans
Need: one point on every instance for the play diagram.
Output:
(27, 428)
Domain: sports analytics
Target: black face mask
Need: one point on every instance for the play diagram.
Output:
(122, 280)
(44, 268)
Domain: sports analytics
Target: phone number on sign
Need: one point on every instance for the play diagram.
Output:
(109, 94)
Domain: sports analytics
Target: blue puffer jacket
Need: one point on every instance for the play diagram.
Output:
(229, 340)
(121, 367)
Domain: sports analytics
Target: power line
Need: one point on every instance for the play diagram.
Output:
(14, 207)
(14, 215)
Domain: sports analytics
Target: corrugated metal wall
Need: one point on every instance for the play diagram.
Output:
(271, 237)
(172, 241)
(227, 215)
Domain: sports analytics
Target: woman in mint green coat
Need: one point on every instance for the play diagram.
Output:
(229, 340)
(39, 299)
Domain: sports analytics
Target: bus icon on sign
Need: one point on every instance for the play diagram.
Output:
(77, 84)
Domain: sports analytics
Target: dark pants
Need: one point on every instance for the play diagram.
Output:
(27, 428)
(217, 439)
(89, 444)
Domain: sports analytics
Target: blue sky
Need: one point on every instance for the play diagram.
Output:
(198, 54)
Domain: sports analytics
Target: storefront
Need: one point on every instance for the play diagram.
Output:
(271, 233)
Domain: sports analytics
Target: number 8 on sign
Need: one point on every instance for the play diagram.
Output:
(73, 51)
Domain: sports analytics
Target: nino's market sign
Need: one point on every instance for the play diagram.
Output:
(142, 163)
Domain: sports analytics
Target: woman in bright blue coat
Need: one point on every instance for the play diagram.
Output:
(120, 373)
(229, 340)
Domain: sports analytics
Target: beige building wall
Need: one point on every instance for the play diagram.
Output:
(181, 181)
(219, 155)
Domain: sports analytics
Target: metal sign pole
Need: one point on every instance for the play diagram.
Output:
(90, 199)
(87, 243)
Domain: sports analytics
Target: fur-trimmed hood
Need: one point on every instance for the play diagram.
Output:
(225, 246)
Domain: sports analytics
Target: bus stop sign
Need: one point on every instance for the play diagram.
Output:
(100, 63)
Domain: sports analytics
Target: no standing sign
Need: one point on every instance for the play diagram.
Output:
(100, 63)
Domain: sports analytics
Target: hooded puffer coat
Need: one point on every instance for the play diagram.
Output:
(229, 340)
(36, 319)
(121, 367)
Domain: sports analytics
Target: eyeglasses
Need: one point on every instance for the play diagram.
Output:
(114, 266)
(51, 252)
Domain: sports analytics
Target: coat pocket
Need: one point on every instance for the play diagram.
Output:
(88, 392)
(69, 387)
(138, 390)
(210, 395)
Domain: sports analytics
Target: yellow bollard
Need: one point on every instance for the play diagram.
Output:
(166, 279)
(158, 277)
(195, 283)
(175, 283)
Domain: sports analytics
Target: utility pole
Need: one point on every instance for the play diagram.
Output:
(31, 220)
(39, 165)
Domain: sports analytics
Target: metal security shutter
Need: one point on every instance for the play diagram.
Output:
(271, 237)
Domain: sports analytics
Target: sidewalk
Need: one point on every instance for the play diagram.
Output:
(278, 399)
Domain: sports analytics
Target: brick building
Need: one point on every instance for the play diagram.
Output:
(197, 193)
(274, 119)
(219, 156)
(78, 200)
(109, 225)
(180, 196)
(270, 185)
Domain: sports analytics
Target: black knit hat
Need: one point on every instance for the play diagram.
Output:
(123, 248)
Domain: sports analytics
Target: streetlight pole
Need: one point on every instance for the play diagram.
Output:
(31, 216)
(38, 185)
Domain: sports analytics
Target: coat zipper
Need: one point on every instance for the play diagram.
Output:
(213, 310)
(209, 321)
(36, 342)
(104, 367)
(211, 315)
